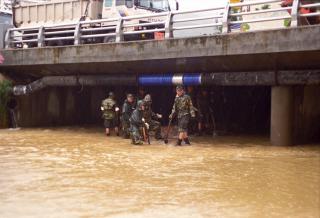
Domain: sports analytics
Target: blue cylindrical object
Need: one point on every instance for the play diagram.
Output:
(192, 79)
(169, 79)
(155, 79)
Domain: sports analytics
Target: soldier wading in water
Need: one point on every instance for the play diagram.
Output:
(182, 109)
(137, 122)
(150, 117)
(128, 107)
(110, 115)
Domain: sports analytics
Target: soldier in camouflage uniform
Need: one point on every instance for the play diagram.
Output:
(128, 107)
(110, 112)
(136, 123)
(183, 109)
(150, 117)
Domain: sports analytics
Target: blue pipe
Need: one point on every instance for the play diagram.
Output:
(169, 79)
(155, 79)
(192, 79)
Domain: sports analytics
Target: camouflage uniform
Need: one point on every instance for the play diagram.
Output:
(127, 110)
(183, 108)
(136, 124)
(150, 117)
(109, 113)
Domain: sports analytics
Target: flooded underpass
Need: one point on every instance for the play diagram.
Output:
(78, 172)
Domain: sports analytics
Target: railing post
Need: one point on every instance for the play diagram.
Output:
(295, 13)
(77, 34)
(7, 39)
(225, 19)
(41, 37)
(168, 26)
(119, 30)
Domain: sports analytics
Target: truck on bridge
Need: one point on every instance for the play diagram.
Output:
(65, 13)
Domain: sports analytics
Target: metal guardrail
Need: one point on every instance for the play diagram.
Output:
(133, 27)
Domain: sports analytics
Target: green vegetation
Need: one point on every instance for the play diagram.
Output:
(287, 22)
(5, 87)
(245, 27)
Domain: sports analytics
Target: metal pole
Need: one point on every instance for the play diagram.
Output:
(8, 38)
(77, 34)
(225, 19)
(41, 37)
(168, 26)
(119, 30)
(295, 13)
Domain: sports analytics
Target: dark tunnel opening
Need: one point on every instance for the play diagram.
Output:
(236, 109)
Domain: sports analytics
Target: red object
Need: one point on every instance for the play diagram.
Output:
(288, 3)
(158, 35)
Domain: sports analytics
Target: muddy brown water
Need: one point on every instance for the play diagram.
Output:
(78, 172)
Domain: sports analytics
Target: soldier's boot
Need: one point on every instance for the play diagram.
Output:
(179, 142)
(186, 140)
(136, 140)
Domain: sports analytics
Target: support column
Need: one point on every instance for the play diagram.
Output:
(282, 115)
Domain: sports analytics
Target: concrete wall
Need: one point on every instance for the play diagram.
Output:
(60, 106)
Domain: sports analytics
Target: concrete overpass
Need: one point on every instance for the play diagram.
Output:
(294, 50)
(283, 49)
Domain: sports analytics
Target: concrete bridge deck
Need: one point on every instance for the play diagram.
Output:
(282, 49)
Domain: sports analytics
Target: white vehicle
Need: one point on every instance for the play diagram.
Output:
(31, 13)
(64, 14)
(5, 12)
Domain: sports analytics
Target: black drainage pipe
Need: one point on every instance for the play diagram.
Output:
(110, 80)
(262, 78)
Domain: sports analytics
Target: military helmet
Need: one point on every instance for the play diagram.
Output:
(147, 98)
(140, 104)
(179, 87)
(129, 95)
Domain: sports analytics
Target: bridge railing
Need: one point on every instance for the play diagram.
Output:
(165, 24)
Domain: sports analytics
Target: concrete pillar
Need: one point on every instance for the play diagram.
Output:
(282, 115)
(53, 107)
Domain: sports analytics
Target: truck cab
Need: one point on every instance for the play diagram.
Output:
(124, 8)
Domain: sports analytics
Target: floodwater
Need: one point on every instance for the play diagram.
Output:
(78, 172)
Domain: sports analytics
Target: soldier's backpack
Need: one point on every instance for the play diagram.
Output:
(108, 106)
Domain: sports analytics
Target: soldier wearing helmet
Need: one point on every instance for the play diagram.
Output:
(128, 107)
(136, 122)
(182, 109)
(110, 111)
(150, 117)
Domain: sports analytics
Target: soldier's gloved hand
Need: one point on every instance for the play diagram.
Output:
(159, 116)
(193, 115)
(143, 120)
(102, 108)
(170, 116)
(117, 109)
(147, 125)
